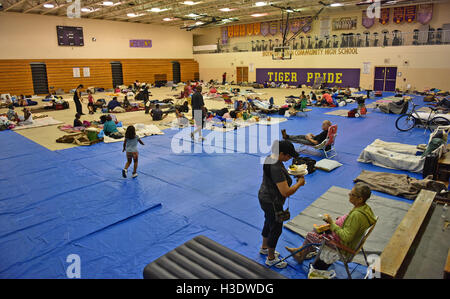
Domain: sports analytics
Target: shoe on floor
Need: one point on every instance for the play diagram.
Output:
(283, 133)
(124, 173)
(266, 252)
(135, 175)
(276, 262)
(320, 274)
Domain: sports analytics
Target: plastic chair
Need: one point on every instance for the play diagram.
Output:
(346, 254)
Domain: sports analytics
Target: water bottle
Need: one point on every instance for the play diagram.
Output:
(444, 212)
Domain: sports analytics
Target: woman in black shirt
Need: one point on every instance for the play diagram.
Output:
(77, 98)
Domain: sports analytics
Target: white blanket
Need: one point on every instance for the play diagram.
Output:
(142, 130)
(392, 155)
(424, 115)
(41, 122)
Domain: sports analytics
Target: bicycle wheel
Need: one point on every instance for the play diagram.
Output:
(437, 121)
(405, 122)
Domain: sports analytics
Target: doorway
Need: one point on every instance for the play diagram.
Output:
(241, 74)
(385, 78)
(176, 72)
(117, 75)
(39, 76)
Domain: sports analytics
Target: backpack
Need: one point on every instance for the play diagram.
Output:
(352, 113)
(310, 163)
(430, 165)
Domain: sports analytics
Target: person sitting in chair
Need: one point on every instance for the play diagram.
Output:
(309, 139)
(347, 230)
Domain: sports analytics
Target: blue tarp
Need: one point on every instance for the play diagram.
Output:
(74, 201)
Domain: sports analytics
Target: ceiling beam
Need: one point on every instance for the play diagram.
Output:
(15, 4)
(33, 7)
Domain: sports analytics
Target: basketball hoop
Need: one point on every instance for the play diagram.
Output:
(281, 53)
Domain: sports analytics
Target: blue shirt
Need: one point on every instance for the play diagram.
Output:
(131, 146)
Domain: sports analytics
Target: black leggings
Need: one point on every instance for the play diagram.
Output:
(78, 106)
(272, 229)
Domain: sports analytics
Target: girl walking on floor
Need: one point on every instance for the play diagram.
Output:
(130, 145)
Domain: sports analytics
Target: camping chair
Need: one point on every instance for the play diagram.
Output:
(228, 100)
(346, 254)
(327, 145)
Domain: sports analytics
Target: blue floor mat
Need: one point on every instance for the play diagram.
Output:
(75, 201)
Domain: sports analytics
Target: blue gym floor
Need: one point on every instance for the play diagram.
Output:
(75, 201)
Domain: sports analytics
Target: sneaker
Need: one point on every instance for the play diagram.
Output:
(311, 255)
(124, 173)
(283, 133)
(266, 252)
(135, 175)
(276, 262)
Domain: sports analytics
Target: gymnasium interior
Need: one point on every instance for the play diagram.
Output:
(192, 209)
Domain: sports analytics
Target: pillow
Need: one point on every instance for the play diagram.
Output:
(327, 164)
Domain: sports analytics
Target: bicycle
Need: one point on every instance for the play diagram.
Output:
(407, 121)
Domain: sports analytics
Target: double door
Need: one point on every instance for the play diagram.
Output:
(385, 78)
(241, 74)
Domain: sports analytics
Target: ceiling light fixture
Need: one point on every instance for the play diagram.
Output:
(167, 19)
(336, 4)
(156, 9)
(226, 9)
(199, 23)
(257, 15)
(133, 15)
(108, 3)
(192, 15)
(190, 3)
(49, 5)
(260, 4)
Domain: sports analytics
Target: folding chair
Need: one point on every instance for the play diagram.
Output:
(327, 145)
(346, 254)
(228, 101)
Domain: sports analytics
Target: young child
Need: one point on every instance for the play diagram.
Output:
(77, 121)
(130, 145)
(91, 106)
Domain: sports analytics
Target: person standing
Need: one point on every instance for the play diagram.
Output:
(224, 78)
(130, 145)
(198, 112)
(77, 99)
(275, 188)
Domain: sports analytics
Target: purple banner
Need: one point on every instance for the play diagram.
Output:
(332, 77)
(140, 43)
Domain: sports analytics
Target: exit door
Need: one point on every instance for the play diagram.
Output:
(385, 78)
(241, 74)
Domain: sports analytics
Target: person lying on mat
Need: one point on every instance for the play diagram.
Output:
(309, 139)
(275, 187)
(113, 104)
(347, 230)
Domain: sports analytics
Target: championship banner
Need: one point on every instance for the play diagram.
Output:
(237, 31)
(366, 21)
(295, 25)
(230, 31)
(256, 28)
(384, 16)
(243, 30)
(307, 25)
(345, 23)
(425, 13)
(224, 35)
(307, 76)
(265, 28)
(398, 14)
(273, 29)
(249, 29)
(410, 13)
